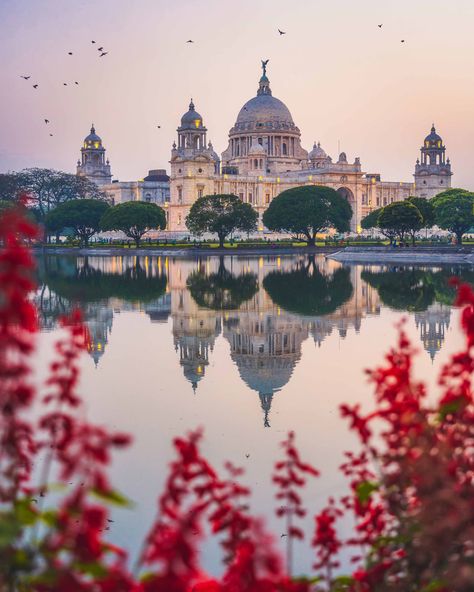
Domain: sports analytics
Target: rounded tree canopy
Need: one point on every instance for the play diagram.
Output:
(425, 207)
(453, 192)
(454, 211)
(401, 217)
(134, 218)
(221, 214)
(77, 213)
(371, 220)
(308, 210)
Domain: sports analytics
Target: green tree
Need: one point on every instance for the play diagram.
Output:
(305, 211)
(426, 209)
(134, 219)
(83, 216)
(221, 290)
(371, 220)
(402, 289)
(307, 290)
(448, 193)
(47, 188)
(455, 212)
(9, 186)
(221, 214)
(401, 218)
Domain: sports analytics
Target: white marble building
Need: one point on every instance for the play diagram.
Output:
(264, 157)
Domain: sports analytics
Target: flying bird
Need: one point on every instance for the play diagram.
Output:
(35, 86)
(46, 120)
(158, 126)
(189, 41)
(50, 134)
(104, 53)
(100, 49)
(281, 32)
(64, 83)
(69, 53)
(380, 26)
(402, 41)
(25, 77)
(92, 41)
(247, 456)
(76, 83)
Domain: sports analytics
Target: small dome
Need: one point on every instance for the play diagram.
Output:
(433, 137)
(92, 137)
(192, 118)
(317, 153)
(257, 149)
(342, 157)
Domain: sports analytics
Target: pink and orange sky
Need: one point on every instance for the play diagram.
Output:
(343, 78)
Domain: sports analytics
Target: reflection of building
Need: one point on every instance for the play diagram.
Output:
(194, 329)
(159, 310)
(98, 320)
(432, 324)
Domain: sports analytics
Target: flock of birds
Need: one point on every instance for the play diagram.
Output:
(103, 53)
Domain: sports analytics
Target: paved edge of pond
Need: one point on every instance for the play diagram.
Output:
(416, 255)
(183, 253)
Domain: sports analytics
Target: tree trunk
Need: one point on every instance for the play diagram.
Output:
(221, 240)
(311, 241)
(459, 234)
(137, 242)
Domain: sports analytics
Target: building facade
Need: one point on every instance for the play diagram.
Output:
(264, 157)
(154, 188)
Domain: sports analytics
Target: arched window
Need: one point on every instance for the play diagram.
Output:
(284, 149)
(255, 163)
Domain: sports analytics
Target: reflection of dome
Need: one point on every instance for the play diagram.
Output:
(263, 373)
(432, 137)
(433, 323)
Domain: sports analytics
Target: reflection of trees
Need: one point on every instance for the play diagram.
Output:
(309, 291)
(87, 284)
(221, 290)
(415, 290)
(402, 289)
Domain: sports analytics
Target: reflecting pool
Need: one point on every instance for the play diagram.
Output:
(246, 348)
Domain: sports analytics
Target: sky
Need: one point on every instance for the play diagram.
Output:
(346, 81)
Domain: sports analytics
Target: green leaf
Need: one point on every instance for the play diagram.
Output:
(365, 489)
(24, 512)
(93, 569)
(434, 586)
(112, 497)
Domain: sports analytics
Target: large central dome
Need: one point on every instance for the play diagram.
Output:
(264, 109)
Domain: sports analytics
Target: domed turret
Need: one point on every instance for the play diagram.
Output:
(433, 139)
(318, 156)
(433, 173)
(93, 165)
(192, 119)
(92, 140)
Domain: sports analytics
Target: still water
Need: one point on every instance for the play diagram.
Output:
(247, 348)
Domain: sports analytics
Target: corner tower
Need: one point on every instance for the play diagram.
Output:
(194, 166)
(93, 165)
(433, 173)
